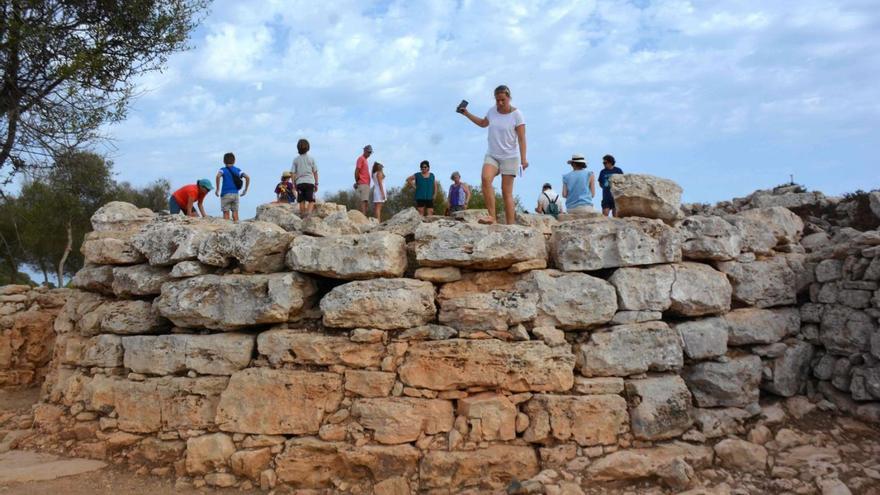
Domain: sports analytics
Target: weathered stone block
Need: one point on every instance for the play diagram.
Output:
(284, 215)
(709, 238)
(594, 244)
(257, 247)
(489, 468)
(349, 257)
(642, 195)
(369, 383)
(96, 278)
(386, 304)
(174, 238)
(660, 407)
(111, 248)
(396, 420)
(790, 370)
(119, 215)
(291, 402)
(631, 349)
(588, 420)
(846, 331)
(733, 383)
(457, 363)
(215, 354)
(235, 301)
(491, 416)
(748, 326)
(485, 247)
(292, 346)
(486, 301)
(139, 280)
(761, 283)
(705, 338)
(206, 453)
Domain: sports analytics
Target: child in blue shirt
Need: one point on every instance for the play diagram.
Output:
(232, 183)
(605, 181)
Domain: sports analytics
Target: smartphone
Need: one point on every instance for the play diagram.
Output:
(461, 106)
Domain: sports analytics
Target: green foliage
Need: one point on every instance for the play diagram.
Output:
(69, 67)
(43, 227)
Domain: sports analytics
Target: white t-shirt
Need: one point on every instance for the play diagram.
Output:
(502, 134)
(543, 202)
(304, 169)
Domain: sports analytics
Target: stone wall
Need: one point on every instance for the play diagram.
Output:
(26, 335)
(841, 319)
(336, 353)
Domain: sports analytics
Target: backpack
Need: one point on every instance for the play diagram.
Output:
(236, 179)
(552, 207)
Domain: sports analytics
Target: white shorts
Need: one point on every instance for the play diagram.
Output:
(505, 166)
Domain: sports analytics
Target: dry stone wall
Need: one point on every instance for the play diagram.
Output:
(336, 353)
(26, 334)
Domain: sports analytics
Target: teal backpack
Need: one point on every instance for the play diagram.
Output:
(552, 207)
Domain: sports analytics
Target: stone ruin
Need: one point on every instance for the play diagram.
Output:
(429, 355)
(26, 335)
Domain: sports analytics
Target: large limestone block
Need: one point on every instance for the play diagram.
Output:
(214, 354)
(403, 223)
(644, 289)
(312, 463)
(660, 407)
(124, 318)
(571, 301)
(594, 244)
(787, 227)
(699, 290)
(119, 215)
(640, 195)
(230, 302)
(643, 463)
(483, 469)
(284, 215)
(747, 326)
(396, 420)
(757, 237)
(96, 278)
(709, 238)
(349, 257)
(111, 248)
(166, 403)
(704, 338)
(543, 223)
(588, 420)
(292, 346)
(733, 383)
(206, 453)
(460, 363)
(369, 383)
(490, 416)
(845, 331)
(139, 280)
(631, 349)
(790, 370)
(103, 351)
(174, 238)
(290, 402)
(256, 247)
(762, 283)
(685, 289)
(385, 303)
(339, 223)
(485, 247)
(486, 301)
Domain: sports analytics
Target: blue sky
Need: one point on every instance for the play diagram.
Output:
(723, 97)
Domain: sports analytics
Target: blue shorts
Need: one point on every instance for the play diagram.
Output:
(608, 202)
(173, 207)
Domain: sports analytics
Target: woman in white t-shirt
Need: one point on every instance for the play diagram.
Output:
(507, 151)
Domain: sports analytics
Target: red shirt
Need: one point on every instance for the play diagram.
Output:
(183, 195)
(363, 171)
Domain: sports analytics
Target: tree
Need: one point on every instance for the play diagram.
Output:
(53, 211)
(69, 68)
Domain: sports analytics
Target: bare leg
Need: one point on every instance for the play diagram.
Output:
(225, 215)
(488, 176)
(379, 211)
(606, 211)
(430, 211)
(614, 212)
(421, 210)
(507, 194)
(235, 216)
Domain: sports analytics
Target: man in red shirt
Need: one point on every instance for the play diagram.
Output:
(183, 199)
(362, 179)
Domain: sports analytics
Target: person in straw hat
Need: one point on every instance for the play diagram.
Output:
(578, 186)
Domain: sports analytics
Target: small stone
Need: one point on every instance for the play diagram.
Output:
(438, 275)
(528, 265)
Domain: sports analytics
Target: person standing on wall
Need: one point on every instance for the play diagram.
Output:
(362, 179)
(426, 187)
(506, 153)
(578, 186)
(459, 194)
(231, 178)
(378, 194)
(605, 174)
(305, 176)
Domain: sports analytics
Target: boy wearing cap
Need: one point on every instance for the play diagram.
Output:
(228, 193)
(285, 191)
(362, 179)
(183, 199)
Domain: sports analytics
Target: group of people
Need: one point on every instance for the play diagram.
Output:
(506, 156)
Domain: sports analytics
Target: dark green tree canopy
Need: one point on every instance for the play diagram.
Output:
(68, 67)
